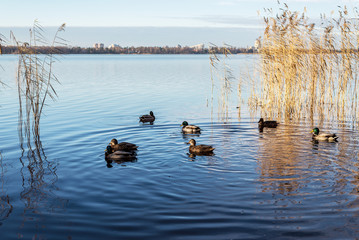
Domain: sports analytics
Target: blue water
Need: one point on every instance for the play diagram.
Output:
(272, 185)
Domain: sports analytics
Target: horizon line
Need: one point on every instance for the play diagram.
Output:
(66, 26)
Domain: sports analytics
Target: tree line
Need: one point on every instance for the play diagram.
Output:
(125, 50)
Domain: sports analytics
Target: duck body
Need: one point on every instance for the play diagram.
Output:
(268, 124)
(330, 137)
(122, 146)
(120, 156)
(199, 149)
(148, 118)
(190, 129)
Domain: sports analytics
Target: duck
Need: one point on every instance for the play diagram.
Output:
(190, 128)
(330, 137)
(268, 124)
(199, 149)
(119, 155)
(122, 146)
(148, 118)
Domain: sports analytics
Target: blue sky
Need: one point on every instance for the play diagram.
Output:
(229, 17)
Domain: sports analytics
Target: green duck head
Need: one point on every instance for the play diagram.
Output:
(315, 131)
(185, 123)
(108, 149)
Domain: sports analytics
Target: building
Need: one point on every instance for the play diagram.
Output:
(198, 47)
(114, 46)
(98, 45)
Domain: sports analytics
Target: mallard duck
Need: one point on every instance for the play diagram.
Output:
(268, 124)
(330, 137)
(119, 155)
(199, 149)
(190, 128)
(148, 118)
(122, 146)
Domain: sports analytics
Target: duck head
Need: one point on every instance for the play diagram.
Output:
(184, 123)
(151, 113)
(192, 142)
(113, 142)
(108, 149)
(315, 131)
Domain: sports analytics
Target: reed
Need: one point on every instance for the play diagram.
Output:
(2, 42)
(222, 75)
(308, 71)
(35, 80)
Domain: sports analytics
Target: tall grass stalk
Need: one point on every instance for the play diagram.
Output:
(35, 80)
(308, 71)
(221, 72)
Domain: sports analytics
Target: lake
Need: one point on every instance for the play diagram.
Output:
(275, 184)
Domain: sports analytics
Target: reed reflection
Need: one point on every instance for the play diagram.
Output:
(188, 137)
(39, 181)
(280, 161)
(289, 162)
(5, 205)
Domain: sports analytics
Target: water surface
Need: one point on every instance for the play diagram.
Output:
(275, 184)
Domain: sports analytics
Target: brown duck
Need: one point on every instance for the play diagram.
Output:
(199, 149)
(269, 124)
(148, 118)
(122, 146)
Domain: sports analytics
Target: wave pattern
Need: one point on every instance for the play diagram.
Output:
(258, 185)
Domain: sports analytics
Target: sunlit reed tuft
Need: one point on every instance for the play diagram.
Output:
(307, 70)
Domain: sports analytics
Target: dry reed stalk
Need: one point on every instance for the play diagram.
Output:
(34, 81)
(221, 71)
(2, 41)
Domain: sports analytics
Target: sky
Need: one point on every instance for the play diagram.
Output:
(152, 22)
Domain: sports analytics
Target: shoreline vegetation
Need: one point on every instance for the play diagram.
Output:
(126, 50)
(159, 50)
(306, 70)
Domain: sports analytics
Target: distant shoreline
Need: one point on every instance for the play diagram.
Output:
(124, 50)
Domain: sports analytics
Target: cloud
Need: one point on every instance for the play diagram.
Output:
(234, 21)
(225, 21)
(239, 2)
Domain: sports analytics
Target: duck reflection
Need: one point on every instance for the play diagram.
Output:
(193, 156)
(187, 137)
(109, 163)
